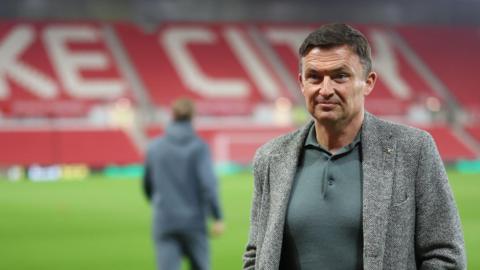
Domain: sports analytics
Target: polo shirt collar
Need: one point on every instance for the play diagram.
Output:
(311, 141)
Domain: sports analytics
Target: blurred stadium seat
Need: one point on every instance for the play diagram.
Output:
(95, 147)
(111, 84)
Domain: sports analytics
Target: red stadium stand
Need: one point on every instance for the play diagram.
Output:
(452, 54)
(25, 147)
(474, 131)
(234, 70)
(450, 146)
(95, 147)
(57, 69)
(216, 64)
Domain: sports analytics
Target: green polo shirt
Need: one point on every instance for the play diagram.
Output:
(323, 227)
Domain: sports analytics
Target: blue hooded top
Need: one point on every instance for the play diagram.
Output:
(179, 180)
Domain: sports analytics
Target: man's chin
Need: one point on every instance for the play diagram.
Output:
(326, 117)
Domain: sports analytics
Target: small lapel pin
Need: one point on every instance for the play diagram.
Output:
(389, 150)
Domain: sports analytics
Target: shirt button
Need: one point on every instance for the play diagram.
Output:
(330, 181)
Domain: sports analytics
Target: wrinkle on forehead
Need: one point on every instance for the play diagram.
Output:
(332, 58)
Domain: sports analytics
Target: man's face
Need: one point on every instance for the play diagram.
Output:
(334, 84)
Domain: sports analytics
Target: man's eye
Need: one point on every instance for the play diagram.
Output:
(341, 77)
(313, 76)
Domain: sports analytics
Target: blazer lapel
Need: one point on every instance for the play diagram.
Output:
(282, 168)
(378, 153)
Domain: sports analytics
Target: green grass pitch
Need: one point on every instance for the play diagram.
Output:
(105, 224)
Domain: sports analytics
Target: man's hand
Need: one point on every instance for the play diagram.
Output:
(218, 227)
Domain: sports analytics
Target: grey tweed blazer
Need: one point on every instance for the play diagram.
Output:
(410, 220)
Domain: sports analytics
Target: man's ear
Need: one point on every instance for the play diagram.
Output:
(300, 71)
(300, 81)
(370, 83)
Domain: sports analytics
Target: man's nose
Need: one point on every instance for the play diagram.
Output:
(326, 88)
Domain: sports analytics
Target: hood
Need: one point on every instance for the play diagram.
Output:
(180, 132)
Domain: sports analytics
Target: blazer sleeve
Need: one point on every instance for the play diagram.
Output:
(439, 237)
(250, 254)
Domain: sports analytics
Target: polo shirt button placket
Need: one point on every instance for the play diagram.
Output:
(330, 181)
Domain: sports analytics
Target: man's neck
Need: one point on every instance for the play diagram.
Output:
(334, 136)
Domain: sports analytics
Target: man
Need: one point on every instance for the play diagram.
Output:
(348, 190)
(181, 185)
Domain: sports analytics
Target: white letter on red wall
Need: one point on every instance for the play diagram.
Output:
(293, 38)
(175, 41)
(386, 65)
(251, 63)
(11, 49)
(69, 64)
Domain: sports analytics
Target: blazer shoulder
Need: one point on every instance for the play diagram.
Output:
(403, 133)
(279, 144)
(407, 137)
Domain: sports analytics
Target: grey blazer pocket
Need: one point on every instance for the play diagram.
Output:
(402, 202)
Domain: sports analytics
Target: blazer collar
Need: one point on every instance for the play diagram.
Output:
(282, 168)
(287, 161)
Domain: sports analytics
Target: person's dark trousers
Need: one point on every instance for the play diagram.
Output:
(171, 247)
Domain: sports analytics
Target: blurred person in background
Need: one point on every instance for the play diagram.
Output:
(348, 190)
(179, 181)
